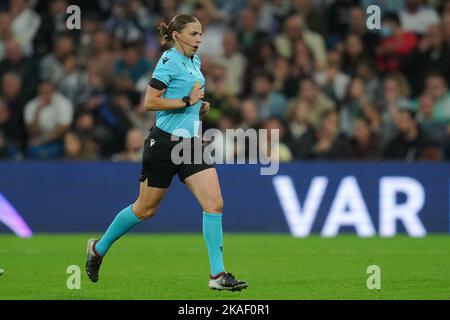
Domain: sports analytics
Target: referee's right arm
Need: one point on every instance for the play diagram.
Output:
(154, 102)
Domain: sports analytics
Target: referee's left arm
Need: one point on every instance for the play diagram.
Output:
(154, 102)
(165, 72)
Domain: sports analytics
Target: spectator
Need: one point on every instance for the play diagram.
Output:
(166, 10)
(24, 25)
(133, 147)
(213, 32)
(123, 24)
(226, 148)
(357, 25)
(313, 13)
(280, 9)
(317, 102)
(364, 143)
(85, 39)
(326, 143)
(48, 116)
(96, 137)
(353, 54)
(74, 82)
(417, 17)
(5, 32)
(249, 114)
(395, 93)
(355, 106)
(227, 10)
(217, 82)
(262, 10)
(366, 71)
(248, 33)
(446, 29)
(332, 80)
(53, 22)
(279, 149)
(294, 30)
(16, 62)
(96, 92)
(395, 45)
(139, 117)
(394, 97)
(425, 117)
(14, 99)
(269, 103)
(139, 13)
(298, 118)
(129, 69)
(286, 78)
(260, 62)
(445, 8)
(9, 135)
(101, 57)
(75, 148)
(217, 93)
(57, 16)
(52, 64)
(303, 62)
(339, 17)
(115, 114)
(432, 54)
(235, 63)
(411, 143)
(437, 88)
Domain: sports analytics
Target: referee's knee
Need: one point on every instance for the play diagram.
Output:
(214, 205)
(144, 212)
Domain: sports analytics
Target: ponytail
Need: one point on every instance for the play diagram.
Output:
(164, 32)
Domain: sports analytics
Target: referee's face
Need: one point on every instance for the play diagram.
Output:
(191, 35)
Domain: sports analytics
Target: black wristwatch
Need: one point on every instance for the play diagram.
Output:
(187, 100)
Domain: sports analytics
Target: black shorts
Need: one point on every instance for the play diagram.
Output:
(157, 165)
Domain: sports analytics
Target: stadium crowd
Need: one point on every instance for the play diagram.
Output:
(310, 68)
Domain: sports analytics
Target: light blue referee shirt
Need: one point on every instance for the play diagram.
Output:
(179, 73)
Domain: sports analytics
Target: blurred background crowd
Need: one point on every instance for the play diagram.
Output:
(310, 68)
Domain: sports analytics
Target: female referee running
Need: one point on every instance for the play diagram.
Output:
(173, 92)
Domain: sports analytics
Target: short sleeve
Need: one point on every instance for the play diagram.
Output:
(65, 111)
(165, 70)
(29, 112)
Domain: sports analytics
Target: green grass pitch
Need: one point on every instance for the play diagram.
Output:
(277, 266)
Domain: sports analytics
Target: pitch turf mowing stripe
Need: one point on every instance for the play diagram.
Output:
(277, 266)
